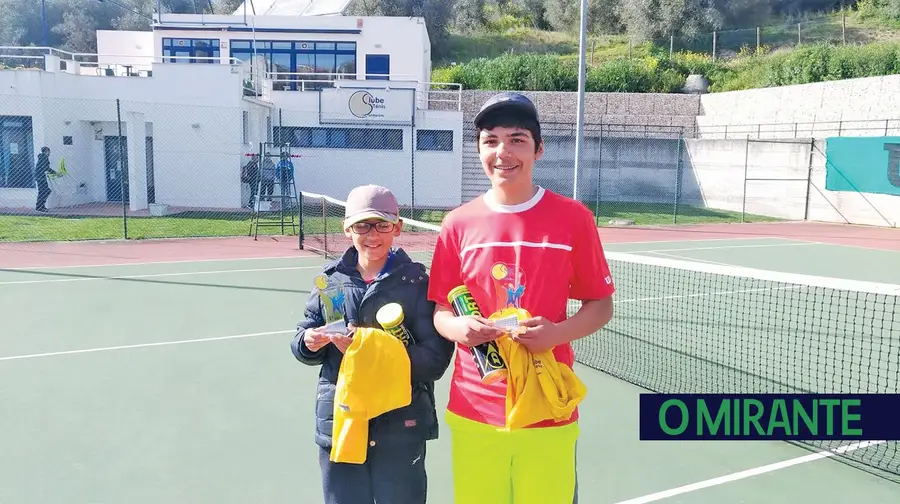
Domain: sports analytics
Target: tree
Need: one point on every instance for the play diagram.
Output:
(654, 19)
(602, 16)
(436, 13)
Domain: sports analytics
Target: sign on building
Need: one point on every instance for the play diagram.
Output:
(370, 105)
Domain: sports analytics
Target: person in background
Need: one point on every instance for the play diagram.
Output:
(267, 174)
(250, 176)
(284, 172)
(41, 170)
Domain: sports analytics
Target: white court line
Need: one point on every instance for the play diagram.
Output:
(142, 345)
(744, 238)
(161, 262)
(723, 247)
(154, 275)
(756, 471)
(687, 258)
(704, 294)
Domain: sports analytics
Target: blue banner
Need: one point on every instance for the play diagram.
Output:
(782, 417)
(863, 164)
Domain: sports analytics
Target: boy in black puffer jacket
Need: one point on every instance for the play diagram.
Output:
(369, 275)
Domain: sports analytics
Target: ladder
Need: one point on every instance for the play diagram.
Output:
(287, 211)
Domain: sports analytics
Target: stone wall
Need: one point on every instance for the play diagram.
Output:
(630, 115)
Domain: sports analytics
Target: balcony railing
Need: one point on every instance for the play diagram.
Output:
(429, 95)
(257, 81)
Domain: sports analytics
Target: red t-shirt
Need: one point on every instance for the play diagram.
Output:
(535, 256)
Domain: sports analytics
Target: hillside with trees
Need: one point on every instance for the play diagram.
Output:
(634, 45)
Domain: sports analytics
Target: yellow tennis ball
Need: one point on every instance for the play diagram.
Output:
(499, 271)
(321, 282)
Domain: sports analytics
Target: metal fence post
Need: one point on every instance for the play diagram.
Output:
(678, 176)
(746, 163)
(812, 148)
(598, 195)
(122, 171)
(412, 163)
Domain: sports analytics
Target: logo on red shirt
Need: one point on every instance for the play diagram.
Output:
(509, 283)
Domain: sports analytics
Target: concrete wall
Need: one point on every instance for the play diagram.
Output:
(631, 115)
(718, 166)
(762, 177)
(853, 107)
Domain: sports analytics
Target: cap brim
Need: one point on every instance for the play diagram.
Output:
(349, 221)
(504, 105)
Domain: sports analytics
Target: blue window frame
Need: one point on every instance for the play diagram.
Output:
(185, 50)
(339, 138)
(434, 140)
(320, 61)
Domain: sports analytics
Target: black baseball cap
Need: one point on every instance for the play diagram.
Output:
(507, 101)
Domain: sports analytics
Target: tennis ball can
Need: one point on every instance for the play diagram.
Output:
(487, 356)
(390, 318)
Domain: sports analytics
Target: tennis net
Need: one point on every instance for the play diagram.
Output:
(691, 327)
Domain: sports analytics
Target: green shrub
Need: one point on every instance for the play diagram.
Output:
(656, 72)
(644, 75)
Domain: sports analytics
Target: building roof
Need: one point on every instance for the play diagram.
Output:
(293, 7)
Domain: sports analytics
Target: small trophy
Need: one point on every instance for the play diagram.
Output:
(332, 297)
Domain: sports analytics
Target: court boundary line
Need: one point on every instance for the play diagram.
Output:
(151, 275)
(737, 238)
(688, 258)
(143, 345)
(748, 473)
(163, 262)
(726, 247)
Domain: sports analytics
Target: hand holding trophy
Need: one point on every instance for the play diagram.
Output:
(335, 329)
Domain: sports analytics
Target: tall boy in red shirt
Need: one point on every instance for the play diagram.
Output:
(519, 245)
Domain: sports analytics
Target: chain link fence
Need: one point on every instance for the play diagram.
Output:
(637, 174)
(726, 44)
(119, 169)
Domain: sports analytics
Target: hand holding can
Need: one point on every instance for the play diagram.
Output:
(487, 355)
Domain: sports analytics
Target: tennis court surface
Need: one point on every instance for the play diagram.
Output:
(160, 371)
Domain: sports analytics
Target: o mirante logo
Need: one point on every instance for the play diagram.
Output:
(363, 103)
(785, 417)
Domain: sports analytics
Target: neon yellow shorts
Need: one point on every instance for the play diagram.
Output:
(523, 466)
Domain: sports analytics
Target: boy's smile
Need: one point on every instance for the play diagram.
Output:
(373, 239)
(507, 156)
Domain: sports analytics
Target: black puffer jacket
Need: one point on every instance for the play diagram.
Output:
(404, 282)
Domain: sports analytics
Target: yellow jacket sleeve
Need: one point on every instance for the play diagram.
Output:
(538, 387)
(374, 378)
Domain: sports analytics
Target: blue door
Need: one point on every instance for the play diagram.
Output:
(116, 168)
(16, 153)
(378, 66)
